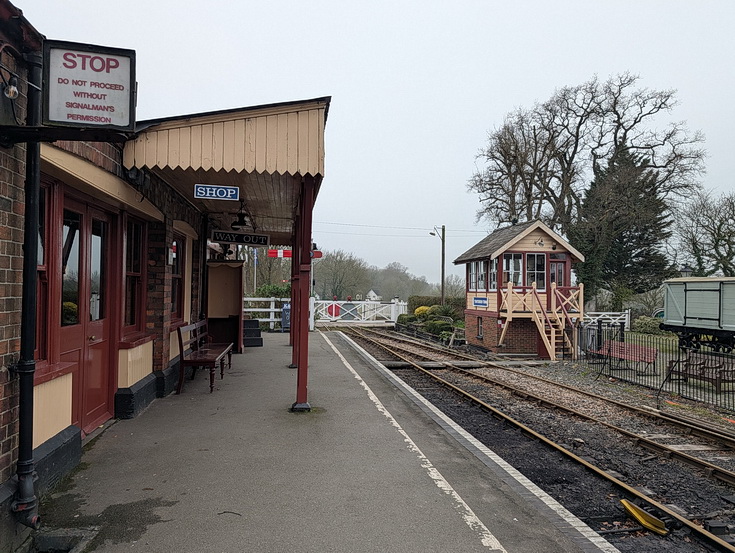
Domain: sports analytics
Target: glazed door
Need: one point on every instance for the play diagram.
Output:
(85, 312)
(556, 272)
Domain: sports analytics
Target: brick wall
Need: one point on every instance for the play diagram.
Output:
(521, 337)
(12, 211)
(158, 311)
(102, 154)
(160, 238)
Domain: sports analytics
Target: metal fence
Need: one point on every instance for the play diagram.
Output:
(657, 362)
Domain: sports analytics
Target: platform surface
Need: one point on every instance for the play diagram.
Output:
(370, 469)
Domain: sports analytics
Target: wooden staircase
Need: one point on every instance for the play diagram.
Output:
(555, 325)
(555, 338)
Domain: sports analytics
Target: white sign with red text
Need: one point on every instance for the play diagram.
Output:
(89, 86)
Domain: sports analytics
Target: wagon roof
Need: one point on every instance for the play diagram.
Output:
(701, 279)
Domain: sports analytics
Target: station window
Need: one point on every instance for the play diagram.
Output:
(513, 269)
(178, 251)
(70, 267)
(472, 276)
(134, 286)
(482, 275)
(493, 281)
(536, 270)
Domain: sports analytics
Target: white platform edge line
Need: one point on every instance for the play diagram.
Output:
(468, 515)
(480, 449)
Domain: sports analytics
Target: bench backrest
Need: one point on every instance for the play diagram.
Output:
(633, 352)
(198, 335)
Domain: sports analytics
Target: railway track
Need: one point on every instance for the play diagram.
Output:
(521, 384)
(474, 386)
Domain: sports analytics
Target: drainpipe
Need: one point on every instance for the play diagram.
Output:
(25, 503)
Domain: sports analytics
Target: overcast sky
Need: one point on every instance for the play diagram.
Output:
(415, 87)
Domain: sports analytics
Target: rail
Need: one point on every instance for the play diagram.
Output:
(270, 307)
(590, 318)
(354, 311)
(268, 310)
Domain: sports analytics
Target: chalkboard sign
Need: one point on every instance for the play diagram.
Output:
(286, 316)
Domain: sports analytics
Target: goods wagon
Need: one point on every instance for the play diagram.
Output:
(701, 311)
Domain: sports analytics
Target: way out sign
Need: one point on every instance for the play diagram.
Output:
(88, 86)
(229, 237)
(216, 192)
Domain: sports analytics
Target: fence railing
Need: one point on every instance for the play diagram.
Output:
(607, 317)
(269, 310)
(657, 362)
(353, 311)
(265, 310)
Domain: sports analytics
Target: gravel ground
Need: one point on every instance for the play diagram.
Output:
(593, 500)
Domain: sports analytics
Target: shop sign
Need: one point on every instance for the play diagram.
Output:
(216, 192)
(479, 302)
(230, 237)
(88, 86)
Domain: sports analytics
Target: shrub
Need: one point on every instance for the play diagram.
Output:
(647, 325)
(273, 291)
(437, 327)
(69, 312)
(443, 311)
(406, 318)
(422, 312)
(417, 301)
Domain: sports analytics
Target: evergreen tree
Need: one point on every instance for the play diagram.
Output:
(623, 224)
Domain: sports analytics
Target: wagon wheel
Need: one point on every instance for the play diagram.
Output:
(695, 343)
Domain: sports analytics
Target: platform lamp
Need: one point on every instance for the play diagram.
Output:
(686, 271)
(442, 237)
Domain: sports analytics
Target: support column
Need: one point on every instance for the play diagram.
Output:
(302, 252)
(158, 310)
(295, 304)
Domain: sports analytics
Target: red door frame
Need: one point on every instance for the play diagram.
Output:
(82, 333)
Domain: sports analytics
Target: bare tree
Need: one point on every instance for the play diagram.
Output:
(340, 274)
(706, 231)
(539, 162)
(627, 115)
(454, 286)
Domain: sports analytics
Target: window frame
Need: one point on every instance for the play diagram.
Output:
(506, 272)
(472, 277)
(138, 325)
(177, 292)
(41, 349)
(482, 275)
(492, 280)
(533, 269)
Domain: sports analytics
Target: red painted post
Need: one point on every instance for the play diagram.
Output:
(295, 304)
(303, 255)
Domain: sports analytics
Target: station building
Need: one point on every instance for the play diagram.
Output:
(123, 256)
(519, 293)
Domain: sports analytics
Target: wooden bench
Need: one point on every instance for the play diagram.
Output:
(196, 350)
(716, 370)
(628, 352)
